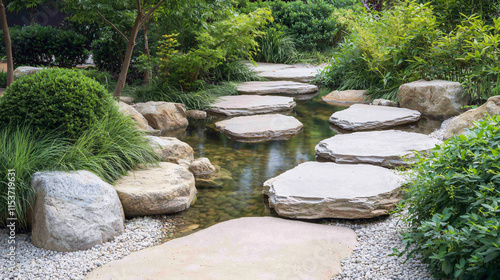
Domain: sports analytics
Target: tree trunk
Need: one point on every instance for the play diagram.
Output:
(8, 44)
(148, 72)
(122, 78)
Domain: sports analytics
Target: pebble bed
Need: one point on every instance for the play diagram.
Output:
(371, 258)
(35, 263)
(439, 134)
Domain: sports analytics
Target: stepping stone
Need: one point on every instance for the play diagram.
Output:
(315, 190)
(166, 189)
(263, 248)
(267, 67)
(243, 105)
(300, 91)
(367, 117)
(345, 98)
(301, 74)
(386, 148)
(260, 128)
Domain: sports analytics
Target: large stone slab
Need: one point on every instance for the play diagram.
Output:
(163, 115)
(345, 98)
(297, 73)
(460, 123)
(171, 149)
(387, 148)
(435, 98)
(244, 105)
(367, 117)
(315, 190)
(260, 128)
(166, 189)
(300, 91)
(73, 211)
(267, 67)
(261, 248)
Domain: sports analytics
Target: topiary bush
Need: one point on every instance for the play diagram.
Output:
(454, 205)
(55, 99)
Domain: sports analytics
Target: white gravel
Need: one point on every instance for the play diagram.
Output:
(439, 134)
(371, 260)
(35, 263)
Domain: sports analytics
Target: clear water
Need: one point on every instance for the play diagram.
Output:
(251, 164)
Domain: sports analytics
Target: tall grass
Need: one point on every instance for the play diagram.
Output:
(275, 46)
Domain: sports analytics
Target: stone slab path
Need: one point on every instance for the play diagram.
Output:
(367, 117)
(243, 105)
(387, 148)
(345, 98)
(260, 128)
(315, 190)
(299, 91)
(281, 72)
(261, 248)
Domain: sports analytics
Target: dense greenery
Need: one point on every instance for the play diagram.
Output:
(46, 46)
(55, 99)
(409, 42)
(454, 205)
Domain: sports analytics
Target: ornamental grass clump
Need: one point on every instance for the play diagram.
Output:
(454, 205)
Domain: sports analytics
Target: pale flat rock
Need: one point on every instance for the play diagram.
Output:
(384, 102)
(367, 117)
(171, 149)
(166, 189)
(315, 190)
(73, 211)
(267, 67)
(387, 148)
(436, 98)
(26, 70)
(243, 105)
(345, 98)
(260, 128)
(300, 91)
(127, 99)
(139, 119)
(163, 115)
(263, 248)
(197, 114)
(301, 74)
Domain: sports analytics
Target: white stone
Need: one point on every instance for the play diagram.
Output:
(315, 190)
(74, 211)
(166, 189)
(384, 102)
(26, 70)
(300, 91)
(387, 148)
(297, 73)
(243, 105)
(267, 67)
(260, 127)
(263, 248)
(367, 117)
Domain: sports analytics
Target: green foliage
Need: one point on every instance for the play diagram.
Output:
(3, 79)
(234, 70)
(55, 99)
(276, 46)
(46, 45)
(454, 205)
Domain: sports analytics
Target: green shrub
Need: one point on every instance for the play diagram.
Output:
(3, 79)
(234, 70)
(454, 205)
(46, 45)
(276, 46)
(55, 99)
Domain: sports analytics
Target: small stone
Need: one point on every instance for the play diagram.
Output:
(346, 98)
(202, 168)
(127, 100)
(197, 114)
(384, 102)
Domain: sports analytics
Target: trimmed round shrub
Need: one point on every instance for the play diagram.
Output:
(60, 99)
(454, 205)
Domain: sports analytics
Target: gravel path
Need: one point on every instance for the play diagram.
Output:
(35, 263)
(371, 260)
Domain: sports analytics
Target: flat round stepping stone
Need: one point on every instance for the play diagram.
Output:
(345, 98)
(263, 248)
(315, 190)
(301, 74)
(260, 128)
(267, 67)
(387, 148)
(166, 189)
(367, 117)
(243, 105)
(300, 91)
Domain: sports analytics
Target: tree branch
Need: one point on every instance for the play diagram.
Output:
(151, 11)
(113, 26)
(139, 9)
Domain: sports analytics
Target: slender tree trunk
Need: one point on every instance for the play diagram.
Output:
(148, 72)
(122, 78)
(8, 44)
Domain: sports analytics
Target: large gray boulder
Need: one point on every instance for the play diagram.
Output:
(367, 117)
(460, 123)
(315, 190)
(300, 91)
(244, 105)
(260, 128)
(436, 98)
(166, 189)
(387, 148)
(262, 248)
(73, 211)
(163, 115)
(22, 71)
(171, 149)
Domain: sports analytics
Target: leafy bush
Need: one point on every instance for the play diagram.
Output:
(55, 99)
(3, 79)
(276, 46)
(234, 70)
(454, 205)
(46, 45)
